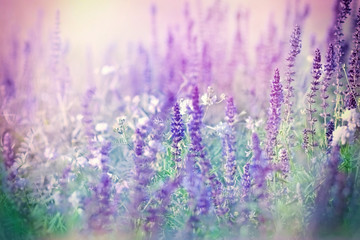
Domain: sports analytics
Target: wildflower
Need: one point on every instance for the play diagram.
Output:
(197, 152)
(88, 122)
(284, 162)
(155, 217)
(341, 135)
(196, 148)
(142, 173)
(295, 46)
(8, 150)
(104, 208)
(252, 124)
(352, 93)
(101, 127)
(274, 115)
(185, 106)
(209, 98)
(344, 11)
(260, 168)
(352, 118)
(246, 181)
(74, 200)
(322, 213)
(329, 132)
(316, 72)
(177, 130)
(345, 134)
(230, 149)
(329, 69)
(107, 70)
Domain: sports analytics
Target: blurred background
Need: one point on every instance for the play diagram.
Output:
(239, 43)
(94, 24)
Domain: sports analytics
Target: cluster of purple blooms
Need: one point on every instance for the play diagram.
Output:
(182, 142)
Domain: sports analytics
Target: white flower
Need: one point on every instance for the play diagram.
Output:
(136, 100)
(79, 117)
(101, 127)
(95, 161)
(81, 161)
(147, 152)
(184, 104)
(345, 134)
(221, 128)
(49, 153)
(74, 200)
(57, 198)
(250, 123)
(209, 98)
(352, 117)
(154, 102)
(342, 134)
(119, 126)
(106, 70)
(142, 121)
(120, 186)
(127, 99)
(153, 144)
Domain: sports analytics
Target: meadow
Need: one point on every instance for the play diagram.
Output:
(201, 135)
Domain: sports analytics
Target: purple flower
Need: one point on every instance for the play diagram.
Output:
(143, 172)
(229, 143)
(246, 181)
(351, 92)
(295, 46)
(8, 150)
(88, 121)
(339, 44)
(329, 69)
(260, 168)
(177, 130)
(144, 158)
(105, 208)
(329, 132)
(156, 214)
(10, 88)
(324, 200)
(310, 130)
(316, 70)
(196, 154)
(257, 152)
(274, 115)
(284, 162)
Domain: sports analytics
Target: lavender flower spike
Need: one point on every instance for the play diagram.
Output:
(197, 151)
(339, 47)
(274, 118)
(177, 130)
(329, 70)
(316, 73)
(104, 189)
(259, 168)
(230, 150)
(246, 181)
(352, 91)
(142, 175)
(88, 121)
(295, 46)
(8, 150)
(284, 162)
